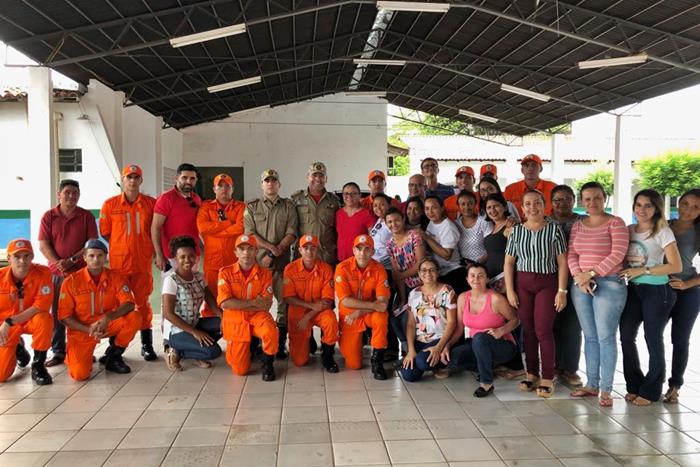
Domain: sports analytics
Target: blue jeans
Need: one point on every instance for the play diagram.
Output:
(651, 305)
(188, 347)
(599, 315)
(683, 315)
(481, 353)
(420, 363)
(567, 339)
(58, 338)
(398, 325)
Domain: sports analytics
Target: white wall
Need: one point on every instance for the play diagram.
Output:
(348, 134)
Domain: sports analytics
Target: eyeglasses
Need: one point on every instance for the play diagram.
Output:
(428, 270)
(351, 194)
(191, 201)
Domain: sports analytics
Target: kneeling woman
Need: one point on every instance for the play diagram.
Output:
(431, 321)
(184, 290)
(490, 320)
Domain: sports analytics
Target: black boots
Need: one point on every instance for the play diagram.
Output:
(377, 361)
(114, 361)
(147, 351)
(281, 353)
(313, 346)
(103, 358)
(268, 370)
(39, 373)
(327, 359)
(22, 354)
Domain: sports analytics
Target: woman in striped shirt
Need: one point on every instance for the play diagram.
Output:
(537, 250)
(596, 250)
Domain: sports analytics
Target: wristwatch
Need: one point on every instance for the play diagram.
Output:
(10, 322)
(591, 273)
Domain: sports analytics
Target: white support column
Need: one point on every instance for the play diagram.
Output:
(41, 151)
(622, 206)
(557, 164)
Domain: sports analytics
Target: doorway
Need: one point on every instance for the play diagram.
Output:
(205, 184)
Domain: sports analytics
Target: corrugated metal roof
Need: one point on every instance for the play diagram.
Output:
(304, 49)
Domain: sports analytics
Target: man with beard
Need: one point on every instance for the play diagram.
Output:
(175, 215)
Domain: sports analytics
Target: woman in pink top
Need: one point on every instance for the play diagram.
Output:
(351, 220)
(490, 320)
(597, 248)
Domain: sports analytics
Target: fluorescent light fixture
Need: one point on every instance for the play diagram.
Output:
(525, 92)
(485, 118)
(247, 111)
(414, 6)
(629, 60)
(208, 35)
(235, 84)
(375, 61)
(366, 93)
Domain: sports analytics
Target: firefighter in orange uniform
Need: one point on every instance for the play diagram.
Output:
(26, 294)
(464, 180)
(245, 296)
(531, 167)
(363, 293)
(96, 302)
(220, 222)
(125, 222)
(308, 290)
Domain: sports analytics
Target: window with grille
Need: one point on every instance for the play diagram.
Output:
(70, 160)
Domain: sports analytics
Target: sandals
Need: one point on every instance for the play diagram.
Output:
(172, 360)
(202, 363)
(639, 401)
(605, 399)
(584, 391)
(671, 396)
(545, 392)
(527, 385)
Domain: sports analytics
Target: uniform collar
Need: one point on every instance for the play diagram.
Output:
(124, 199)
(301, 267)
(272, 202)
(87, 277)
(253, 271)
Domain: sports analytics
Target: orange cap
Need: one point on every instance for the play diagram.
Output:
(132, 169)
(530, 158)
(223, 178)
(306, 239)
(374, 174)
(19, 244)
(363, 240)
(464, 170)
(488, 168)
(247, 239)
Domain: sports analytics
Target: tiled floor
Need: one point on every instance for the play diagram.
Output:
(308, 418)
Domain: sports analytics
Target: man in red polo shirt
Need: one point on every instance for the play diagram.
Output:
(63, 232)
(175, 215)
(531, 167)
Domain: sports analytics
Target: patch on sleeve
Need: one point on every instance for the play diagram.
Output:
(285, 281)
(269, 289)
(221, 282)
(45, 290)
(339, 279)
(62, 296)
(125, 288)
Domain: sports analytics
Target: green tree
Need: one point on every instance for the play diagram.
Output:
(401, 166)
(670, 174)
(603, 175)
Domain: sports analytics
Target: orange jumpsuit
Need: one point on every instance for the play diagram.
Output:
(219, 239)
(367, 285)
(309, 286)
(38, 293)
(88, 302)
(238, 325)
(515, 191)
(128, 226)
